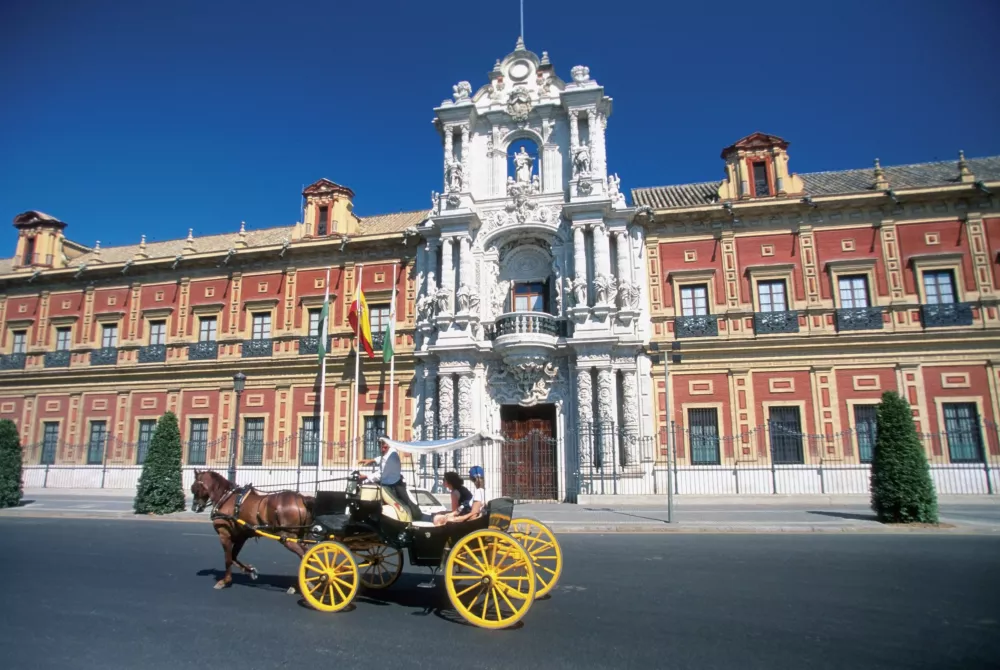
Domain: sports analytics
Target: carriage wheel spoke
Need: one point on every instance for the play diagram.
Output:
(472, 552)
(465, 565)
(467, 589)
(506, 600)
(496, 605)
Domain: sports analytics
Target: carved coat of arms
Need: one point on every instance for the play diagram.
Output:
(519, 105)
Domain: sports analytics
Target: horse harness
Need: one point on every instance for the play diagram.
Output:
(241, 494)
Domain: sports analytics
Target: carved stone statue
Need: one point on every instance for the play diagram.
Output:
(614, 190)
(536, 184)
(443, 300)
(567, 293)
(456, 179)
(463, 299)
(522, 166)
(605, 288)
(473, 302)
(628, 295)
(580, 292)
(461, 91)
(581, 160)
(425, 308)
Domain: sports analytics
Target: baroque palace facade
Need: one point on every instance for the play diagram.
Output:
(530, 296)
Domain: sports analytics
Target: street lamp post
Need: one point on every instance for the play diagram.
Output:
(239, 383)
(666, 359)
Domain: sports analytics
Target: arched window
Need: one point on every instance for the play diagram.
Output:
(524, 161)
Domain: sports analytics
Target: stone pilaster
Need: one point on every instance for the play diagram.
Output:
(630, 401)
(607, 409)
(624, 264)
(579, 255)
(893, 266)
(981, 267)
(448, 271)
(466, 273)
(465, 156)
(465, 422)
(602, 261)
(183, 304)
(428, 399)
(430, 262)
(418, 390)
(449, 151)
(574, 130)
(595, 124)
(730, 268)
(446, 405)
(584, 398)
(42, 330)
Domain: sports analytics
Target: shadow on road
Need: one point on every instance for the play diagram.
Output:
(845, 515)
(621, 513)
(278, 582)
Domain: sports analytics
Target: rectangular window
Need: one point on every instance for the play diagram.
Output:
(50, 440)
(146, 427)
(63, 339)
(157, 332)
(864, 425)
(961, 424)
(309, 440)
(253, 441)
(374, 429)
(29, 251)
(853, 291)
(771, 296)
(324, 220)
(315, 322)
(198, 444)
(939, 287)
(262, 326)
(207, 329)
(98, 436)
(760, 186)
(786, 435)
(529, 297)
(379, 315)
(704, 425)
(20, 342)
(109, 336)
(694, 300)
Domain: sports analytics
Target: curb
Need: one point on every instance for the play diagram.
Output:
(594, 528)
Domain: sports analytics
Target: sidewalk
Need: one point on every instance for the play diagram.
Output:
(699, 514)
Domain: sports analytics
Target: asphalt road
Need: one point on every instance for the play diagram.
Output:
(124, 594)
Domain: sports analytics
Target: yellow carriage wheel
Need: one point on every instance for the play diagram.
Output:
(380, 565)
(328, 576)
(490, 579)
(546, 554)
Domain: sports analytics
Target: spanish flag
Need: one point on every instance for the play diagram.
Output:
(360, 321)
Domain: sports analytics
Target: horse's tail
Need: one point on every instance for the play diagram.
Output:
(310, 504)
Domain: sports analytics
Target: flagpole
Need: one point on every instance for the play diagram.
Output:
(357, 357)
(322, 384)
(392, 361)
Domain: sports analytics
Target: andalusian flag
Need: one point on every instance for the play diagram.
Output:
(324, 319)
(360, 321)
(390, 333)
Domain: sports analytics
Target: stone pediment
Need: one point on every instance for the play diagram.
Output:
(327, 187)
(755, 142)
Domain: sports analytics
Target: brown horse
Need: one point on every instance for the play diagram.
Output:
(284, 513)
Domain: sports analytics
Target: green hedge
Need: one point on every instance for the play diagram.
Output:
(902, 490)
(10, 464)
(161, 490)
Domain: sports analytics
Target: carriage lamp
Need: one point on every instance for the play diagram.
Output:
(239, 383)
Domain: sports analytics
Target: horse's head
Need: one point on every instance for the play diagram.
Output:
(201, 490)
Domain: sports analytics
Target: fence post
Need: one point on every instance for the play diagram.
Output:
(671, 482)
(104, 460)
(768, 434)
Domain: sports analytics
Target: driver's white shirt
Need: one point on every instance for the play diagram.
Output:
(390, 469)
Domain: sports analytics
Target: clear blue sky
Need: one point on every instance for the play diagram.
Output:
(124, 118)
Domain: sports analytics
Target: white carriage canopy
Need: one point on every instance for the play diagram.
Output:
(424, 447)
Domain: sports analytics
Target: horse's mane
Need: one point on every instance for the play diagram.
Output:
(218, 480)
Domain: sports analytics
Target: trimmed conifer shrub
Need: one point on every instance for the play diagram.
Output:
(160, 488)
(902, 490)
(10, 464)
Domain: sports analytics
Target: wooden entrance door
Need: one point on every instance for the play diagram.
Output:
(530, 455)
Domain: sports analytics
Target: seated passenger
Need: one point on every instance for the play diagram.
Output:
(477, 477)
(463, 506)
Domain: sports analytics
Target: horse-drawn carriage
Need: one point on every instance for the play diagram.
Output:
(493, 566)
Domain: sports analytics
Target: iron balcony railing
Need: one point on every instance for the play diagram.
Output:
(203, 351)
(378, 339)
(258, 348)
(104, 356)
(769, 323)
(13, 361)
(702, 325)
(310, 345)
(57, 359)
(520, 323)
(859, 318)
(945, 315)
(153, 353)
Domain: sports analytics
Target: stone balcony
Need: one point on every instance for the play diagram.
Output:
(526, 335)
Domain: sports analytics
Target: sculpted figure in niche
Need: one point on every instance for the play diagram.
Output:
(580, 292)
(605, 287)
(473, 299)
(463, 299)
(425, 308)
(443, 299)
(456, 180)
(581, 159)
(522, 166)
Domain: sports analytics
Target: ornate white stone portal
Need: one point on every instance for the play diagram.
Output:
(531, 280)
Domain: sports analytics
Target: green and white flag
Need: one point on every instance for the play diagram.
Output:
(324, 318)
(390, 332)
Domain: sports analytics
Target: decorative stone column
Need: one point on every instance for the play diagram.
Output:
(584, 399)
(465, 382)
(604, 284)
(630, 401)
(428, 398)
(596, 129)
(418, 385)
(607, 412)
(574, 130)
(446, 405)
(449, 152)
(465, 156)
(430, 265)
(446, 293)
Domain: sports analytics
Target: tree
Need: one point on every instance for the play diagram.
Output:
(160, 488)
(902, 490)
(10, 465)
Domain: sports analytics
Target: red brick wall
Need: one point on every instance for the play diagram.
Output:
(701, 388)
(992, 229)
(788, 388)
(709, 256)
(750, 253)
(867, 244)
(952, 240)
(858, 384)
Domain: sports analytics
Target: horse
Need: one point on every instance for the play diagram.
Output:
(286, 513)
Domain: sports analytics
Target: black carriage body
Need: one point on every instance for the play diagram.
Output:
(343, 515)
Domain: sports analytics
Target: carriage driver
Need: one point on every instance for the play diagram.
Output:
(390, 475)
